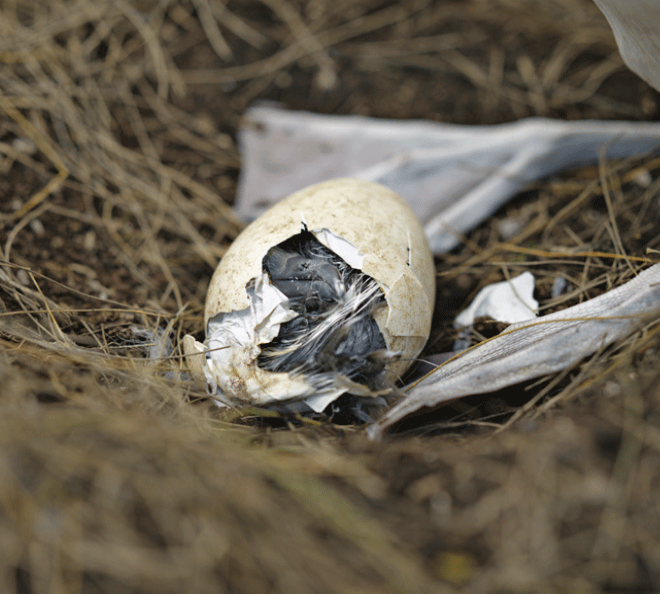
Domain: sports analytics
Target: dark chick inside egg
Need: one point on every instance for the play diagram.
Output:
(328, 293)
(334, 331)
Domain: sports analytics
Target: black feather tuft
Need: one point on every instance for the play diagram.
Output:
(335, 331)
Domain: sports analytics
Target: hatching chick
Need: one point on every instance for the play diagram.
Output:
(335, 331)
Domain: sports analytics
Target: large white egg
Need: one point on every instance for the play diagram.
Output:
(359, 223)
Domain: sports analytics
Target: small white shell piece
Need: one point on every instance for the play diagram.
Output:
(368, 226)
(508, 301)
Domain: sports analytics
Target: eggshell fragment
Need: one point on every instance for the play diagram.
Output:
(368, 226)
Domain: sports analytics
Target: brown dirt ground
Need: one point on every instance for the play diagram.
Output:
(119, 166)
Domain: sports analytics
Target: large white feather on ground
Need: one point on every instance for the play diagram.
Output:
(636, 27)
(535, 348)
(453, 177)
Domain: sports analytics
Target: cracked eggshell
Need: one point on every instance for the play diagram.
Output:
(374, 220)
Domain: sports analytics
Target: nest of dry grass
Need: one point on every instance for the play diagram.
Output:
(119, 167)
